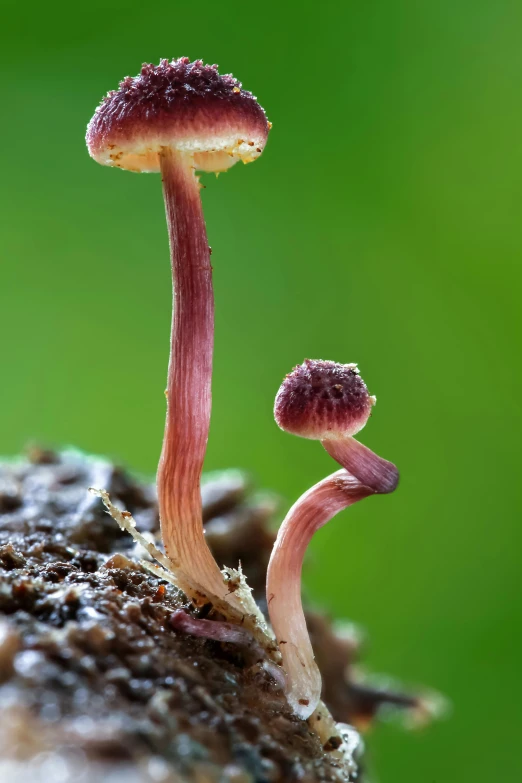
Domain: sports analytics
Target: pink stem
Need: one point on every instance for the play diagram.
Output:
(313, 510)
(229, 633)
(213, 629)
(373, 471)
(189, 375)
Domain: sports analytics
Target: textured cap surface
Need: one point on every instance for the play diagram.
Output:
(322, 400)
(184, 105)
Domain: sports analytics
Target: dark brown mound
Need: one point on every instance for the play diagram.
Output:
(95, 684)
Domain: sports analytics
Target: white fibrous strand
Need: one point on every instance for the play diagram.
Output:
(245, 612)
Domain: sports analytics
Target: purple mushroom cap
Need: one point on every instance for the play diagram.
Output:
(187, 106)
(323, 400)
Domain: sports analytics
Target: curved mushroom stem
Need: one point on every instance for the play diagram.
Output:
(373, 471)
(189, 375)
(313, 510)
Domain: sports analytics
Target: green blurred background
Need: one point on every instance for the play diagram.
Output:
(381, 225)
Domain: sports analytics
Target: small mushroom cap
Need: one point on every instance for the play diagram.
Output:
(323, 400)
(183, 105)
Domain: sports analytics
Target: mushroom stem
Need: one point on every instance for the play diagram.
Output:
(189, 374)
(313, 510)
(373, 471)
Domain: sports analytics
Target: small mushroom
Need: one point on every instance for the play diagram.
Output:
(328, 402)
(179, 117)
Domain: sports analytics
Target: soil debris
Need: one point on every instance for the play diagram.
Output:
(98, 683)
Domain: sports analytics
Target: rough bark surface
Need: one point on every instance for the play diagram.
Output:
(96, 685)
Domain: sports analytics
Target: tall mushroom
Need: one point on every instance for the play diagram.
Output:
(179, 117)
(328, 402)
